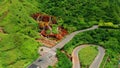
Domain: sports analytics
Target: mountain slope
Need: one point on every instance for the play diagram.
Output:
(18, 47)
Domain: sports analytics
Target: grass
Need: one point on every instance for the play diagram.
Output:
(87, 55)
(18, 46)
(17, 53)
(19, 64)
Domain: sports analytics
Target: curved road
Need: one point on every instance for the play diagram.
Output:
(48, 58)
(96, 62)
(69, 37)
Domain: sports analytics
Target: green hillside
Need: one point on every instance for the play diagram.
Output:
(82, 13)
(18, 47)
(73, 15)
(15, 17)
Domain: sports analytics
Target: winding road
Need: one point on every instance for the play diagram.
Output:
(69, 37)
(45, 60)
(97, 61)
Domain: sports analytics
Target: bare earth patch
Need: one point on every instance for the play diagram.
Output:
(1, 30)
(47, 42)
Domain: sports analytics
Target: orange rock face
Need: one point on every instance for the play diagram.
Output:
(36, 15)
(59, 36)
(43, 32)
(45, 18)
(45, 22)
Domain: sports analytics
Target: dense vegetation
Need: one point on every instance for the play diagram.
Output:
(18, 47)
(108, 38)
(108, 25)
(73, 15)
(17, 50)
(15, 17)
(87, 56)
(21, 29)
(63, 60)
(82, 13)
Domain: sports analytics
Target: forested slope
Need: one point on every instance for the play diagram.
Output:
(82, 13)
(107, 38)
(18, 47)
(73, 15)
